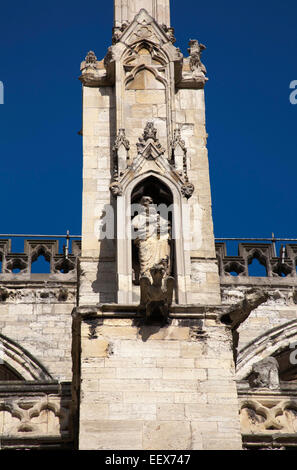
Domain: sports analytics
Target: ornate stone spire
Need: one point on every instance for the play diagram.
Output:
(126, 10)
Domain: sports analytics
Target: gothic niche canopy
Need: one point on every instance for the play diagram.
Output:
(149, 148)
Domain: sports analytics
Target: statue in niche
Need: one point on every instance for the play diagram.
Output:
(151, 238)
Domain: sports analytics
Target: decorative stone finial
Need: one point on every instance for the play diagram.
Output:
(149, 146)
(91, 59)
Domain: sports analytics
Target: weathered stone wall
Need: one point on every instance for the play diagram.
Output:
(190, 118)
(98, 139)
(125, 10)
(147, 387)
(38, 319)
(280, 308)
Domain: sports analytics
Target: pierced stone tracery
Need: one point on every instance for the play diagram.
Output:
(276, 267)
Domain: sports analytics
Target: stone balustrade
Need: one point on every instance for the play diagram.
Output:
(21, 263)
(280, 266)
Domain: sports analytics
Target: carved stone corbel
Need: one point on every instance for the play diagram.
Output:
(188, 190)
(194, 72)
(116, 189)
(93, 72)
(195, 51)
(156, 296)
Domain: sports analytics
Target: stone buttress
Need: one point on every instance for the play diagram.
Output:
(140, 384)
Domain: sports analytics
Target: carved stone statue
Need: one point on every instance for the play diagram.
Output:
(265, 374)
(156, 297)
(151, 237)
(195, 51)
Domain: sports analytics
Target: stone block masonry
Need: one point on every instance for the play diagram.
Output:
(151, 387)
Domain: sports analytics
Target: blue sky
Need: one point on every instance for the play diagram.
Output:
(251, 60)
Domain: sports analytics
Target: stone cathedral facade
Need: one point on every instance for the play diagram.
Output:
(139, 337)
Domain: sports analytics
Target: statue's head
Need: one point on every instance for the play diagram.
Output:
(146, 201)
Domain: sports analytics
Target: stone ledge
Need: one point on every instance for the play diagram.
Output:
(227, 281)
(286, 389)
(269, 440)
(37, 442)
(132, 311)
(36, 283)
(17, 387)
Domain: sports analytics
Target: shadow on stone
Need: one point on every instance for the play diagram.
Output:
(147, 328)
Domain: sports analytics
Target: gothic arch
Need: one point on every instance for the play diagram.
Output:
(19, 360)
(270, 343)
(124, 251)
(156, 51)
(149, 69)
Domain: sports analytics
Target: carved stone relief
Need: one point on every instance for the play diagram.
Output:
(271, 415)
(31, 416)
(265, 374)
(156, 295)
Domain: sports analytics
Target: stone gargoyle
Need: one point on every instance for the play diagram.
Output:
(238, 313)
(156, 296)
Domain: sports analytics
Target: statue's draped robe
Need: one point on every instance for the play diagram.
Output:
(152, 237)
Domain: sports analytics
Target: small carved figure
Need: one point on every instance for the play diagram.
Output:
(187, 190)
(152, 237)
(195, 51)
(116, 189)
(265, 374)
(169, 32)
(118, 32)
(156, 296)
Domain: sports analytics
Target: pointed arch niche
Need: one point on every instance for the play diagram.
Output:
(163, 191)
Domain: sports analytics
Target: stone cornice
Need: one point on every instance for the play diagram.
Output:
(132, 311)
